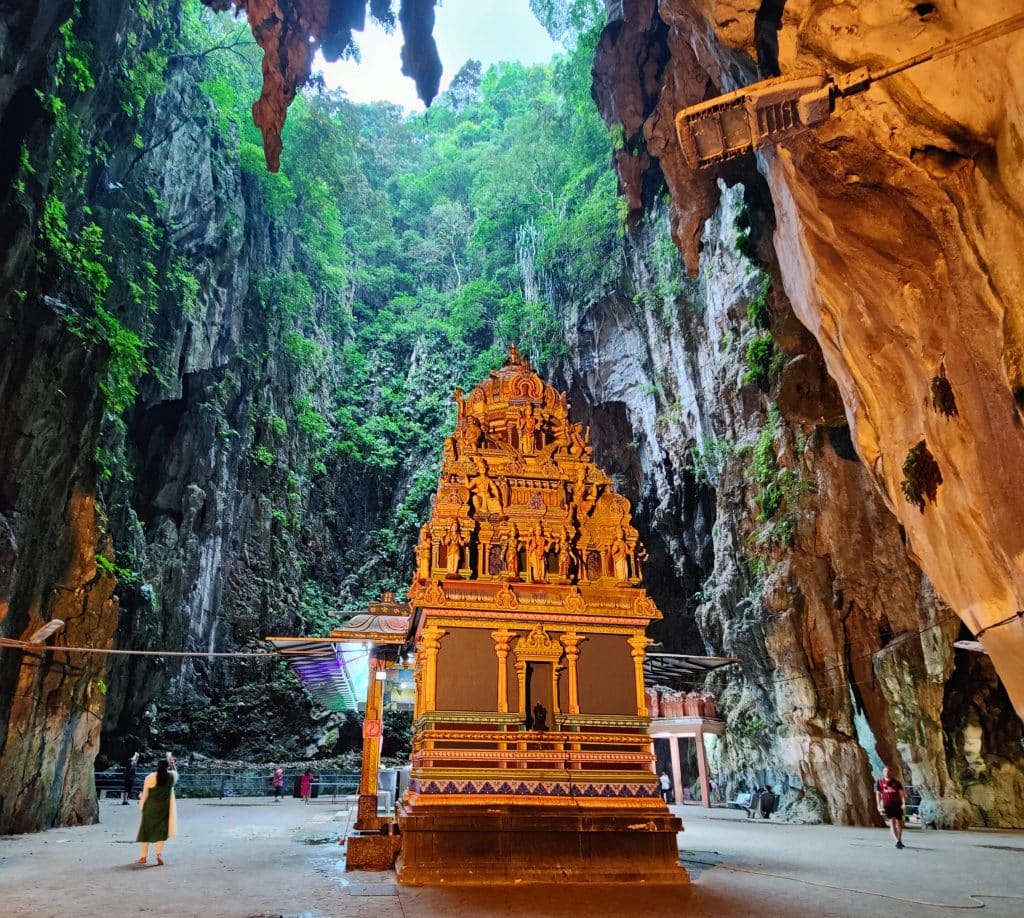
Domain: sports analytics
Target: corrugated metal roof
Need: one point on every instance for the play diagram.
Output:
(665, 668)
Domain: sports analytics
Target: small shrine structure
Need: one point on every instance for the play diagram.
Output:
(337, 670)
(677, 715)
(531, 755)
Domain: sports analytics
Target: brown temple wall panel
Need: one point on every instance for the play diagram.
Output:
(607, 677)
(467, 671)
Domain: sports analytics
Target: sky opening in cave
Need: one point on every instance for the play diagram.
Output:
(485, 30)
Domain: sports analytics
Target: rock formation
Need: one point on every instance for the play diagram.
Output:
(290, 32)
(894, 220)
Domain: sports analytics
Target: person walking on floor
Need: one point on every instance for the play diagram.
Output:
(277, 782)
(159, 815)
(665, 783)
(306, 784)
(129, 778)
(891, 799)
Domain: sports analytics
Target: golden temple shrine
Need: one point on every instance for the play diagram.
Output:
(531, 758)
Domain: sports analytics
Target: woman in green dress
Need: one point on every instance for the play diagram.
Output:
(159, 816)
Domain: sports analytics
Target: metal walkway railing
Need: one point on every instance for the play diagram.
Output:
(233, 784)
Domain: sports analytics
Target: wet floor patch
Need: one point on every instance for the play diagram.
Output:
(696, 862)
(373, 889)
(326, 840)
(288, 915)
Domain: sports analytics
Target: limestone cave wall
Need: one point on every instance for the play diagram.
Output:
(842, 598)
(212, 533)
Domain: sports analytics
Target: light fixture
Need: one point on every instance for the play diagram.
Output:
(380, 675)
(48, 630)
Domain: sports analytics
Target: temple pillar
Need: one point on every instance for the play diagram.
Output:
(502, 644)
(702, 767)
(417, 678)
(521, 678)
(677, 771)
(366, 814)
(571, 642)
(429, 645)
(639, 643)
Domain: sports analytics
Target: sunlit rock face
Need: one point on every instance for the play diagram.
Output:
(898, 236)
(846, 611)
(810, 614)
(50, 723)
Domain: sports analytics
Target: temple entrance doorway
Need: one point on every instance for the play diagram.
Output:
(538, 692)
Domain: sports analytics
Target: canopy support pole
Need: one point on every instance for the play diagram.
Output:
(366, 814)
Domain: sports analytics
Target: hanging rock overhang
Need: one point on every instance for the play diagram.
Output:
(290, 32)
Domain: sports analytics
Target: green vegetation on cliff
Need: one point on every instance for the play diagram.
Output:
(277, 351)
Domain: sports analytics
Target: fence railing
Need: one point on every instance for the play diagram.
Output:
(232, 784)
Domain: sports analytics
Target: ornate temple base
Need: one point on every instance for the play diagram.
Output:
(481, 844)
(371, 851)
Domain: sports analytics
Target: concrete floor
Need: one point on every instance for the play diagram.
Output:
(256, 858)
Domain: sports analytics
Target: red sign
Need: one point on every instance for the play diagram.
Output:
(372, 729)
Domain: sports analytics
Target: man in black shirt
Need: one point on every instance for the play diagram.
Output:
(767, 23)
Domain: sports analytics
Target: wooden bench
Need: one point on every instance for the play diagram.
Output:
(742, 802)
(111, 783)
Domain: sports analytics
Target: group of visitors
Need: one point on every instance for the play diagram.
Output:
(889, 792)
(667, 794)
(306, 783)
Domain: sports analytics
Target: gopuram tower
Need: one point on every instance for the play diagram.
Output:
(531, 759)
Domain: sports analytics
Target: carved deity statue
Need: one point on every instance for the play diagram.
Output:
(449, 449)
(564, 558)
(560, 433)
(579, 445)
(485, 494)
(540, 717)
(512, 553)
(454, 540)
(537, 553)
(460, 403)
(423, 550)
(640, 560)
(470, 434)
(528, 423)
(619, 553)
(584, 496)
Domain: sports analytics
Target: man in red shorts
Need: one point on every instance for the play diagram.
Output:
(891, 798)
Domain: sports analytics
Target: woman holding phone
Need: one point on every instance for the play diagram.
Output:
(159, 816)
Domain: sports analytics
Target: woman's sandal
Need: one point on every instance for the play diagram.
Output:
(141, 861)
(159, 861)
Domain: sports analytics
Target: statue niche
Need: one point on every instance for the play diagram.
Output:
(537, 554)
(453, 542)
(486, 497)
